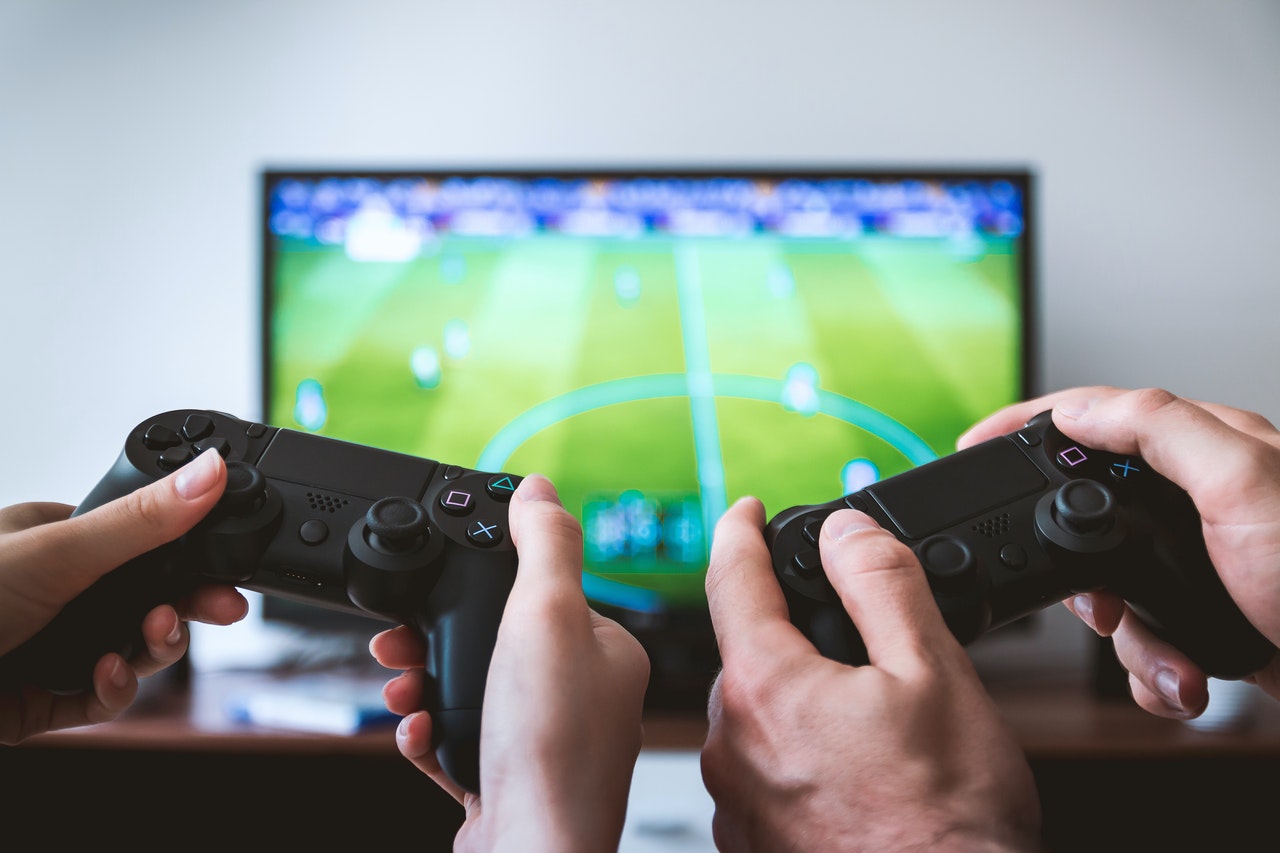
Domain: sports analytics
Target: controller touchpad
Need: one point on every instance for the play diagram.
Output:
(345, 468)
(957, 487)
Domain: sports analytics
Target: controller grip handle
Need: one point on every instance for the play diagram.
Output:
(461, 628)
(106, 617)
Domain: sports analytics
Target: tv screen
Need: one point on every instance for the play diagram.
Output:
(658, 342)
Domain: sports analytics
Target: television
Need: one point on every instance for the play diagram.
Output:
(659, 342)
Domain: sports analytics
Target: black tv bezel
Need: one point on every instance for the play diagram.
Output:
(681, 645)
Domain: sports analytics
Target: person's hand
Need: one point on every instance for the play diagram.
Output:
(48, 558)
(1228, 461)
(561, 726)
(804, 753)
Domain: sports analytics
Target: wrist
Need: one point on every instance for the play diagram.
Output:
(528, 819)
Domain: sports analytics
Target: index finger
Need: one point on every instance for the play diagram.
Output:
(1014, 417)
(748, 610)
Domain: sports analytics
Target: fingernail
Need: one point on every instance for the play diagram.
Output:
(198, 476)
(175, 636)
(1083, 607)
(847, 522)
(119, 675)
(1167, 687)
(1075, 408)
(402, 738)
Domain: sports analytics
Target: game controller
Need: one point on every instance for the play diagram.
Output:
(339, 525)
(1022, 521)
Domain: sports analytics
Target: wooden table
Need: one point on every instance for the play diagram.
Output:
(177, 767)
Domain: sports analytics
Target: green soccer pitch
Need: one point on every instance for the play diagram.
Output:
(686, 372)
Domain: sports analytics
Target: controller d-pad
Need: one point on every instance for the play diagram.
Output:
(216, 443)
(174, 458)
(811, 529)
(807, 563)
(159, 437)
(196, 427)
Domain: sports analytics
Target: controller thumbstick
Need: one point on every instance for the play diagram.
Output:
(397, 525)
(949, 564)
(1085, 508)
(245, 491)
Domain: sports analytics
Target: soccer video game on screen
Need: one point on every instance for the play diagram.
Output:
(658, 345)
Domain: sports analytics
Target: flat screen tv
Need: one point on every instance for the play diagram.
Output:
(657, 341)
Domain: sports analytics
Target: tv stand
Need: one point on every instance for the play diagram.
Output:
(193, 772)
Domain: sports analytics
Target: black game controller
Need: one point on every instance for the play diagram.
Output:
(1022, 521)
(326, 522)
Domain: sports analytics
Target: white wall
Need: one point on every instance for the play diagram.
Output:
(131, 133)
